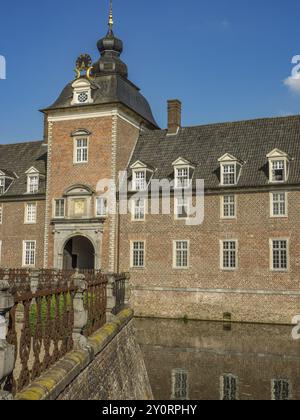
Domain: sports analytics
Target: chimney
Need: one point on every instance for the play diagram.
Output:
(174, 116)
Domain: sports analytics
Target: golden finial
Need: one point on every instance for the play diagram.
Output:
(111, 19)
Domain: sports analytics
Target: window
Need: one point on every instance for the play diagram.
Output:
(81, 151)
(59, 208)
(2, 185)
(179, 384)
(228, 174)
(278, 171)
(0, 252)
(280, 390)
(139, 209)
(181, 208)
(138, 254)
(29, 250)
(139, 180)
(33, 184)
(229, 385)
(279, 255)
(182, 177)
(30, 212)
(101, 207)
(279, 204)
(228, 206)
(181, 254)
(1, 213)
(229, 255)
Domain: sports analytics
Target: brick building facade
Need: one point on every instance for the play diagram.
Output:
(242, 263)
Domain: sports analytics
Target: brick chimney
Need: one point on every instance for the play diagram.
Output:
(174, 116)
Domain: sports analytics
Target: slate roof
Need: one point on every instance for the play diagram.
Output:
(250, 141)
(106, 90)
(16, 159)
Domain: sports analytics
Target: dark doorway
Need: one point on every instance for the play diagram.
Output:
(79, 253)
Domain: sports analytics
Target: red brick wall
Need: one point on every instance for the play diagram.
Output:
(13, 231)
(253, 228)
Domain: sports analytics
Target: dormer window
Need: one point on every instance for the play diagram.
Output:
(2, 185)
(33, 184)
(278, 166)
(81, 92)
(183, 173)
(230, 168)
(141, 176)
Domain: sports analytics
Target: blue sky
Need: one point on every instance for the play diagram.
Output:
(225, 59)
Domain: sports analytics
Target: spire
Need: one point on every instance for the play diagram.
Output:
(111, 18)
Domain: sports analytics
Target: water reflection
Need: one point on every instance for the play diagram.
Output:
(212, 361)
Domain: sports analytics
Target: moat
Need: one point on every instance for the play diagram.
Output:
(212, 361)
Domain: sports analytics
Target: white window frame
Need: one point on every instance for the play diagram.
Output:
(30, 177)
(223, 216)
(1, 213)
(175, 242)
(222, 250)
(26, 215)
(2, 185)
(271, 170)
(134, 208)
(24, 253)
(187, 180)
(104, 206)
(176, 206)
(81, 148)
(272, 203)
(135, 267)
(225, 165)
(135, 185)
(271, 243)
(54, 208)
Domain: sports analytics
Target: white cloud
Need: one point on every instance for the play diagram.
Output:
(293, 83)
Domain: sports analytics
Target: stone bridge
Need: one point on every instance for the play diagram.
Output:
(68, 336)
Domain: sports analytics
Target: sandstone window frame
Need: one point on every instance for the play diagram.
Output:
(136, 253)
(81, 150)
(186, 204)
(29, 253)
(183, 251)
(279, 203)
(284, 268)
(55, 208)
(30, 217)
(230, 252)
(101, 210)
(229, 205)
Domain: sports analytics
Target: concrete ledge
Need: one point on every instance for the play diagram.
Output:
(51, 384)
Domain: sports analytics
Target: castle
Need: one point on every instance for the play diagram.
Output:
(241, 264)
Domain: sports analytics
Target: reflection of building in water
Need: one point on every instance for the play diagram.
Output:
(204, 360)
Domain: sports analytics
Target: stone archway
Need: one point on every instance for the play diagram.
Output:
(78, 252)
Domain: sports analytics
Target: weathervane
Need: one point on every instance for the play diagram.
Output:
(84, 64)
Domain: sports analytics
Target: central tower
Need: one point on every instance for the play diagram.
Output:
(91, 130)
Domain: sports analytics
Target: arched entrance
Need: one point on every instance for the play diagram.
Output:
(79, 252)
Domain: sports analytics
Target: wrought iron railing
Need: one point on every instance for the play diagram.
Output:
(119, 292)
(40, 323)
(95, 300)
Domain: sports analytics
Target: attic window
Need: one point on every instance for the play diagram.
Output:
(2, 185)
(230, 168)
(278, 166)
(183, 173)
(141, 176)
(33, 184)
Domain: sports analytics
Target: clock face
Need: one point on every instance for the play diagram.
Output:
(83, 97)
